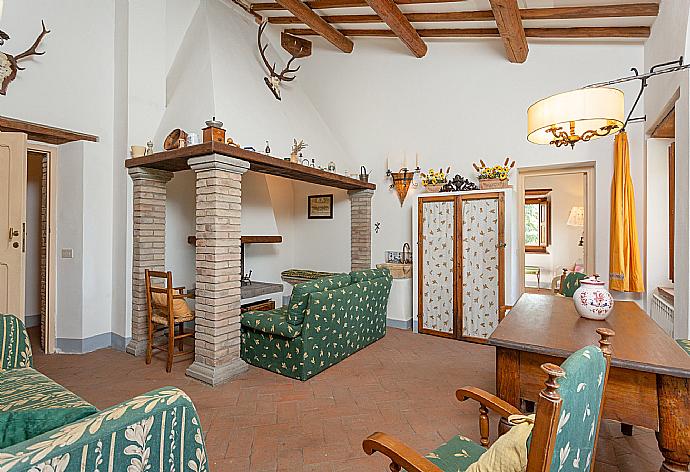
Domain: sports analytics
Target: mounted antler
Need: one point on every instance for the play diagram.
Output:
(8, 63)
(274, 79)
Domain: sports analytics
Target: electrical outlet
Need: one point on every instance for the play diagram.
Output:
(67, 253)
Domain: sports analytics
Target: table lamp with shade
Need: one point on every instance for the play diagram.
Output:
(577, 218)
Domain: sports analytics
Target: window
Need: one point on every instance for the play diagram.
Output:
(537, 220)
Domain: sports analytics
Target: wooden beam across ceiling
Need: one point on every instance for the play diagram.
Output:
(554, 33)
(509, 22)
(559, 13)
(322, 4)
(396, 21)
(318, 25)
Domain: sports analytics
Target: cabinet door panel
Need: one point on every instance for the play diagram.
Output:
(437, 258)
(481, 265)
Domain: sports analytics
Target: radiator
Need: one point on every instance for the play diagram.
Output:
(662, 313)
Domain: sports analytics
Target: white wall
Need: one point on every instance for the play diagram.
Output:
(567, 192)
(657, 227)
(462, 102)
(668, 41)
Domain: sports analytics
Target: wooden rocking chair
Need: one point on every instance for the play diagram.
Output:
(567, 421)
(167, 309)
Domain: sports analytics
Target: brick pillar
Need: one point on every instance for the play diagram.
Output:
(218, 231)
(148, 245)
(360, 229)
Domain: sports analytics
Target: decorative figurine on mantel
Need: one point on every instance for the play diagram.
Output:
(268, 148)
(149, 148)
(297, 146)
(494, 177)
(214, 131)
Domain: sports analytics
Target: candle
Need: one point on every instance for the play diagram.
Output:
(404, 159)
(416, 160)
(388, 166)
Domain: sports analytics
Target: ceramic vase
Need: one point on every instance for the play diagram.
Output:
(592, 300)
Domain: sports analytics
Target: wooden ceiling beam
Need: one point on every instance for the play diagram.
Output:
(560, 13)
(317, 24)
(509, 22)
(396, 21)
(556, 33)
(322, 4)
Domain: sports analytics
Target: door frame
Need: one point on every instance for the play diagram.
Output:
(587, 168)
(51, 241)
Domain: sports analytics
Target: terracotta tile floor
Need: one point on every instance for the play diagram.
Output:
(403, 384)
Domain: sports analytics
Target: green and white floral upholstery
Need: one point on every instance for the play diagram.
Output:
(685, 344)
(582, 390)
(337, 318)
(31, 404)
(15, 347)
(156, 431)
(571, 282)
(46, 428)
(456, 455)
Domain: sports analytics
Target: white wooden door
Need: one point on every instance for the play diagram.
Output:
(12, 222)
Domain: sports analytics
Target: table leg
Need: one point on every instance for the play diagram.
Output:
(507, 380)
(674, 422)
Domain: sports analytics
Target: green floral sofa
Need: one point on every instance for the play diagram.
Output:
(46, 428)
(326, 321)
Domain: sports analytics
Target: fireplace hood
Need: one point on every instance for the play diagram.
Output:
(258, 219)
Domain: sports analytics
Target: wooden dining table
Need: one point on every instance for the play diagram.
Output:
(649, 380)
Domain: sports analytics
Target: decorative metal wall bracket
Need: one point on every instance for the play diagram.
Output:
(402, 180)
(658, 69)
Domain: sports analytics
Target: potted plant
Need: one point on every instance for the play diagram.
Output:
(433, 181)
(494, 177)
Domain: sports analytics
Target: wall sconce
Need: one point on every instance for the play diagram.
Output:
(402, 180)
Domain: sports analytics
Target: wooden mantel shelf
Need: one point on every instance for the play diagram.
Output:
(43, 133)
(176, 160)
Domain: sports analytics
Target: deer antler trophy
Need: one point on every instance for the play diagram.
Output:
(297, 47)
(8, 63)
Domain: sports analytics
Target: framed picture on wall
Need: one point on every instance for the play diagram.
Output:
(320, 207)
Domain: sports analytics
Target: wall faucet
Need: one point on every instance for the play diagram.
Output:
(406, 257)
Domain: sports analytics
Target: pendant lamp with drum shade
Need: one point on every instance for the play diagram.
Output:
(579, 115)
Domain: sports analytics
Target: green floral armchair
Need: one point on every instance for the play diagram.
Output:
(565, 431)
(46, 428)
(326, 321)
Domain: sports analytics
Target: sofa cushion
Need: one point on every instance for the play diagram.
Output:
(32, 404)
(300, 294)
(685, 344)
(271, 322)
(368, 274)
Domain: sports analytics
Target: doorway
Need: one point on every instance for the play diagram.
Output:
(39, 245)
(555, 225)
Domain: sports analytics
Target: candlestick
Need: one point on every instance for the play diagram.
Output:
(416, 160)
(404, 160)
(388, 166)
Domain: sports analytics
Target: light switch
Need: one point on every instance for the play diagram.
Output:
(67, 253)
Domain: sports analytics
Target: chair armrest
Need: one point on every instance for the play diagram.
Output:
(143, 429)
(400, 454)
(492, 402)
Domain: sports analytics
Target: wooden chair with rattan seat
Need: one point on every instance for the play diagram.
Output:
(167, 310)
(565, 431)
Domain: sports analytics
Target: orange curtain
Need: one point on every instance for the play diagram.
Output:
(625, 269)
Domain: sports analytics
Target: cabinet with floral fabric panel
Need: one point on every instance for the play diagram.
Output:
(461, 250)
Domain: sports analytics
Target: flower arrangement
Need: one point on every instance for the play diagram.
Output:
(433, 180)
(496, 176)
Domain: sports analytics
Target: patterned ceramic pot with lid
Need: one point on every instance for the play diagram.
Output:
(592, 300)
